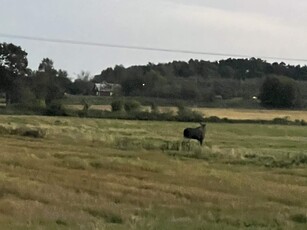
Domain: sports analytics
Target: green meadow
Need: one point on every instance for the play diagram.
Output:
(79, 173)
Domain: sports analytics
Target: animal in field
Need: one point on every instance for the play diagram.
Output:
(196, 133)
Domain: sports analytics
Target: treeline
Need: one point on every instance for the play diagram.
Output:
(196, 81)
(35, 88)
(238, 69)
(199, 80)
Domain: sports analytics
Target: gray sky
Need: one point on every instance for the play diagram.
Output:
(262, 28)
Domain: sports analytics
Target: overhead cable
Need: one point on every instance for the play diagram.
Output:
(97, 44)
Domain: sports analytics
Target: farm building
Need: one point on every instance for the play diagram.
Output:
(105, 89)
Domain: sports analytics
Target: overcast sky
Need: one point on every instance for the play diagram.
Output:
(262, 28)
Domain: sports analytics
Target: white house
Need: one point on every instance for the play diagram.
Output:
(105, 88)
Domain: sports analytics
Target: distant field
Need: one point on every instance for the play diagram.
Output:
(240, 114)
(254, 113)
(117, 174)
(2, 102)
(98, 107)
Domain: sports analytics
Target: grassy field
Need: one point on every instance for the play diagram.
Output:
(235, 113)
(73, 173)
(254, 114)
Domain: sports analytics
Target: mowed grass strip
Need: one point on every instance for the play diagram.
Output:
(77, 176)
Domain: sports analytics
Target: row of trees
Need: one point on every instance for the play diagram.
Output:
(194, 80)
(239, 69)
(206, 81)
(38, 87)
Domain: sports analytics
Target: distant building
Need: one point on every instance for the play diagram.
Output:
(106, 89)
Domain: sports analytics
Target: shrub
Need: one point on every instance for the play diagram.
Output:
(154, 107)
(55, 109)
(23, 95)
(185, 114)
(132, 105)
(280, 92)
(117, 105)
(139, 115)
(281, 121)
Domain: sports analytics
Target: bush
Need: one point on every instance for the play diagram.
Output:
(23, 95)
(117, 105)
(280, 92)
(154, 107)
(132, 105)
(185, 114)
(55, 109)
(153, 116)
(281, 121)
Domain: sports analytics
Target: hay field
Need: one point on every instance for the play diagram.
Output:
(96, 107)
(247, 114)
(238, 114)
(254, 114)
(116, 174)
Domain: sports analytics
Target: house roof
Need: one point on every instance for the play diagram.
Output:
(105, 86)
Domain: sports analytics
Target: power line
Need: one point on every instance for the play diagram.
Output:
(75, 42)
